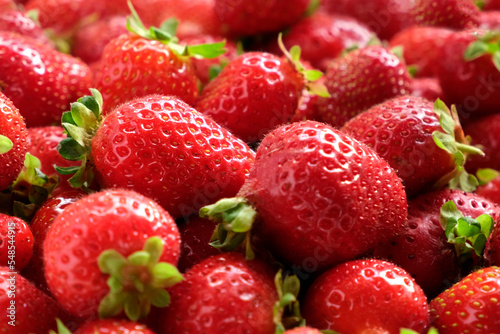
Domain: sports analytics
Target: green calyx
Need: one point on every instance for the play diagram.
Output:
(166, 34)
(469, 235)
(486, 175)
(488, 44)
(432, 330)
(5, 144)
(80, 125)
(311, 77)
(454, 141)
(235, 217)
(137, 282)
(61, 329)
(286, 311)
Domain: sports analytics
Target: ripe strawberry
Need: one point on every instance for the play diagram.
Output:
(16, 243)
(427, 88)
(363, 295)
(251, 17)
(89, 241)
(224, 293)
(470, 306)
(422, 47)
(112, 326)
(40, 81)
(454, 14)
(18, 22)
(316, 195)
(483, 133)
(360, 80)
(13, 136)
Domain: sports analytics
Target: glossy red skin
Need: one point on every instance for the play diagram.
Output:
(472, 304)
(115, 219)
(90, 40)
(13, 127)
(223, 294)
(35, 312)
(132, 66)
(428, 88)
(323, 37)
(16, 237)
(400, 131)
(421, 47)
(39, 80)
(490, 20)
(303, 330)
(360, 80)
(252, 95)
(492, 5)
(40, 225)
(473, 86)
(484, 132)
(161, 147)
(110, 326)
(15, 21)
(252, 17)
(322, 197)
(366, 296)
(195, 235)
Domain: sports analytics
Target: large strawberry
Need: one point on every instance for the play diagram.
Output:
(470, 306)
(13, 145)
(115, 237)
(39, 80)
(319, 197)
(363, 295)
(16, 242)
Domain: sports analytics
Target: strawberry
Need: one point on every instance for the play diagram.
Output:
(224, 293)
(40, 81)
(110, 326)
(251, 17)
(427, 88)
(454, 14)
(491, 188)
(470, 306)
(13, 145)
(366, 295)
(90, 239)
(16, 243)
(491, 5)
(360, 80)
(315, 195)
(26, 309)
(483, 133)
(18, 22)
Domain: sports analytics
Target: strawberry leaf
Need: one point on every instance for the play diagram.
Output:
(476, 50)
(5, 144)
(486, 175)
(160, 298)
(71, 150)
(139, 258)
(295, 52)
(207, 51)
(61, 329)
(313, 75)
(444, 141)
(169, 27)
(286, 311)
(66, 170)
(496, 60)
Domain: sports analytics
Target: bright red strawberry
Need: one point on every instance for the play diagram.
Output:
(490, 20)
(39, 80)
(224, 293)
(303, 330)
(112, 327)
(13, 147)
(364, 296)
(16, 243)
(470, 306)
(318, 196)
(360, 80)
(18, 22)
(323, 37)
(25, 308)
(421, 47)
(89, 241)
(484, 133)
(251, 17)
(427, 88)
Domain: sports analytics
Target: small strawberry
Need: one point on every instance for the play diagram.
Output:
(87, 245)
(16, 243)
(18, 22)
(484, 134)
(427, 88)
(360, 80)
(366, 295)
(470, 306)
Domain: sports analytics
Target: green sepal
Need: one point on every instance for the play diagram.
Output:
(5, 144)
(496, 60)
(71, 150)
(432, 330)
(160, 298)
(111, 305)
(132, 308)
(312, 7)
(111, 262)
(413, 70)
(486, 175)
(61, 328)
(207, 51)
(286, 311)
(487, 44)
(398, 51)
(66, 170)
(480, 4)
(476, 50)
(169, 26)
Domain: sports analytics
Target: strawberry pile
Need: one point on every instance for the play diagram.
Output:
(250, 166)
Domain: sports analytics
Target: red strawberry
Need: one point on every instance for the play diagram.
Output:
(224, 293)
(251, 17)
(366, 295)
(360, 80)
(484, 133)
(40, 81)
(428, 88)
(470, 306)
(13, 136)
(16, 243)
(112, 327)
(454, 14)
(319, 198)
(421, 47)
(16, 21)
(90, 239)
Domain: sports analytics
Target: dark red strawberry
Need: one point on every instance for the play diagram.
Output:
(251, 17)
(360, 80)
(363, 295)
(18, 22)
(318, 196)
(16, 243)
(470, 306)
(87, 245)
(421, 47)
(428, 88)
(484, 133)
(224, 293)
(13, 145)
(490, 20)
(112, 327)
